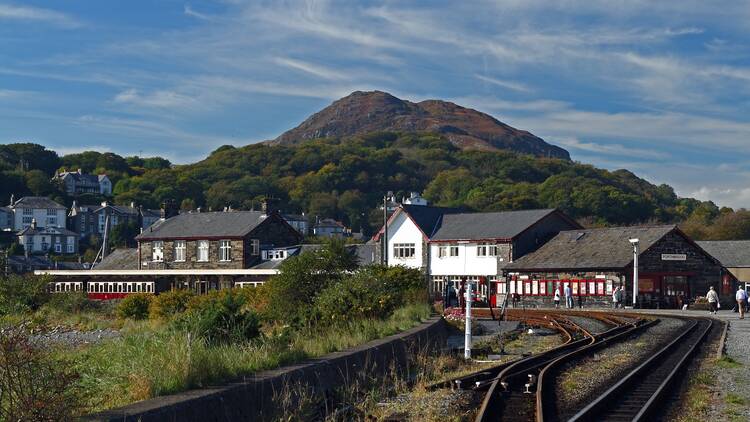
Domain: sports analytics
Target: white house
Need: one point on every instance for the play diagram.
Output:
(48, 239)
(45, 211)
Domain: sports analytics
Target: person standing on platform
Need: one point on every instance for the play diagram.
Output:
(568, 297)
(557, 298)
(741, 298)
(616, 297)
(713, 300)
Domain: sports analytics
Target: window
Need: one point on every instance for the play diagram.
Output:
(203, 251)
(274, 254)
(51, 221)
(27, 220)
(58, 248)
(225, 250)
(492, 250)
(51, 211)
(482, 249)
(254, 247)
(404, 250)
(179, 251)
(157, 251)
(442, 251)
(28, 211)
(454, 250)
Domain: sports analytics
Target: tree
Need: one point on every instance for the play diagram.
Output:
(39, 183)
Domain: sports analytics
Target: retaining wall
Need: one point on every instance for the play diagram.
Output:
(253, 398)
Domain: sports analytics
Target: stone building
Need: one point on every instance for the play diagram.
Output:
(734, 255)
(672, 268)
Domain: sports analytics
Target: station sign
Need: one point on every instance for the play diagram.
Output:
(673, 257)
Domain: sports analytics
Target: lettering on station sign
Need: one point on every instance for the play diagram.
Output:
(673, 257)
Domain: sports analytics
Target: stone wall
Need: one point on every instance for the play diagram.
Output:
(256, 397)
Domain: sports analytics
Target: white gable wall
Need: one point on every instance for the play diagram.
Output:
(403, 230)
(466, 263)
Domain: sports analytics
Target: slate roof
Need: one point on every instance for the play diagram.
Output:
(487, 225)
(81, 177)
(204, 225)
(120, 259)
(37, 202)
(427, 217)
(731, 253)
(47, 231)
(120, 209)
(151, 213)
(606, 248)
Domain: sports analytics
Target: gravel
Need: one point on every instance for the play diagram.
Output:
(67, 337)
(733, 379)
(590, 324)
(584, 379)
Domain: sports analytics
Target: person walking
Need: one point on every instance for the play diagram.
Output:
(713, 300)
(741, 297)
(616, 297)
(557, 298)
(568, 297)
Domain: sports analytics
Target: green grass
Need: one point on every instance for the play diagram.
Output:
(151, 360)
(728, 363)
(732, 398)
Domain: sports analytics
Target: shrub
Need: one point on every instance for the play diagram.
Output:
(168, 304)
(221, 318)
(71, 302)
(134, 306)
(23, 294)
(34, 386)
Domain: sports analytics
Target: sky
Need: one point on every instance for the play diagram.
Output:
(659, 88)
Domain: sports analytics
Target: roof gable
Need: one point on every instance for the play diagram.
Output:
(731, 253)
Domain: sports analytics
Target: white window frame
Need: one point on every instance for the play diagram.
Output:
(157, 251)
(58, 248)
(404, 250)
(442, 251)
(180, 250)
(482, 249)
(453, 251)
(28, 211)
(203, 248)
(492, 250)
(225, 250)
(71, 248)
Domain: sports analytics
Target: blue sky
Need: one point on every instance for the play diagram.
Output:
(660, 88)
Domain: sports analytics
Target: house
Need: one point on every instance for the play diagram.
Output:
(213, 240)
(329, 227)
(48, 239)
(734, 256)
(149, 217)
(415, 198)
(478, 246)
(672, 268)
(46, 212)
(77, 183)
(6, 218)
(298, 221)
(82, 220)
(117, 214)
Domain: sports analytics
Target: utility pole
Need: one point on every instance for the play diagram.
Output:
(467, 330)
(634, 242)
(385, 231)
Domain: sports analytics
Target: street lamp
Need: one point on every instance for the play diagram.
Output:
(634, 242)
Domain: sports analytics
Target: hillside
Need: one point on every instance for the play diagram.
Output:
(364, 112)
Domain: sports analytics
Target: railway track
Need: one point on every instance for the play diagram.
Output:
(636, 396)
(512, 395)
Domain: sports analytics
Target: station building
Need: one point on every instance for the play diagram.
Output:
(673, 269)
(734, 255)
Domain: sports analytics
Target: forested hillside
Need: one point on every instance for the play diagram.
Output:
(346, 178)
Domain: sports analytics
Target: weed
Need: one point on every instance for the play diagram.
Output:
(733, 398)
(728, 363)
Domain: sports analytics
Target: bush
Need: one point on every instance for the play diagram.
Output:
(168, 304)
(34, 386)
(221, 318)
(23, 294)
(134, 306)
(370, 292)
(71, 302)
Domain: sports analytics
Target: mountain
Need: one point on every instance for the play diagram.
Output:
(365, 112)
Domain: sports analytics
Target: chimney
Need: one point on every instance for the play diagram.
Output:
(132, 204)
(80, 171)
(267, 206)
(104, 203)
(33, 224)
(169, 209)
(198, 210)
(75, 205)
(12, 199)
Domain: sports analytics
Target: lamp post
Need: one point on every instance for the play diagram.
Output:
(467, 328)
(634, 242)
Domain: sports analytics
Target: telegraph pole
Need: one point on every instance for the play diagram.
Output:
(385, 230)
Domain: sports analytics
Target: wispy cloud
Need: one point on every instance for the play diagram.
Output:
(189, 11)
(515, 86)
(25, 13)
(311, 68)
(159, 99)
